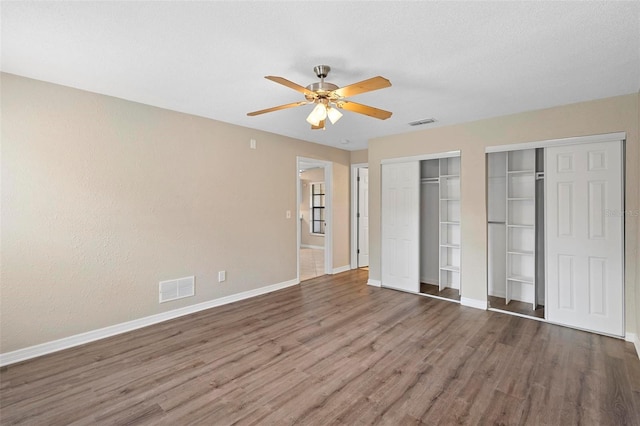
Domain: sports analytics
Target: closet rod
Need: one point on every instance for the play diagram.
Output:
(494, 222)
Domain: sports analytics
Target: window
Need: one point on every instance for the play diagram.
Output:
(317, 208)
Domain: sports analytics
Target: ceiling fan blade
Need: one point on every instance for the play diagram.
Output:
(374, 83)
(364, 109)
(277, 108)
(290, 84)
(320, 126)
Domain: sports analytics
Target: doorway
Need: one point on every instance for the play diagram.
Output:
(314, 225)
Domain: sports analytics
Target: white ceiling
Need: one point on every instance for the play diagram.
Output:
(453, 61)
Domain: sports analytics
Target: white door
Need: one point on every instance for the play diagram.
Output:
(584, 236)
(401, 226)
(363, 217)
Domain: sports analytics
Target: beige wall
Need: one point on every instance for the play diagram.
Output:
(306, 179)
(637, 307)
(102, 198)
(615, 114)
(360, 157)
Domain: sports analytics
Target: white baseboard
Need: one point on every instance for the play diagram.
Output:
(474, 303)
(344, 268)
(374, 283)
(429, 280)
(500, 294)
(91, 336)
(311, 246)
(633, 338)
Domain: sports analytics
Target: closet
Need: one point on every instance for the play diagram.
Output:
(555, 239)
(515, 230)
(421, 226)
(440, 227)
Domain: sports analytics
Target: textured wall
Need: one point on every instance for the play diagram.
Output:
(359, 157)
(102, 198)
(617, 114)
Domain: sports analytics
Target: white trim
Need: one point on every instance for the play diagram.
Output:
(341, 269)
(517, 314)
(433, 296)
(429, 280)
(101, 333)
(354, 211)
(474, 303)
(606, 137)
(311, 246)
(633, 338)
(438, 155)
(374, 283)
(500, 294)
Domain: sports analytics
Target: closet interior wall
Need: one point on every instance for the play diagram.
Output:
(429, 221)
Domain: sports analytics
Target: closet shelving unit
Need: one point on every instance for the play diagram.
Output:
(521, 226)
(449, 179)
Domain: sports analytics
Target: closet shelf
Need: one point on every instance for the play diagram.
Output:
(520, 172)
(449, 245)
(449, 199)
(517, 225)
(450, 223)
(520, 278)
(521, 199)
(520, 252)
(451, 268)
(449, 176)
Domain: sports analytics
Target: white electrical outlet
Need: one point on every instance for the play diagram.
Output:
(222, 276)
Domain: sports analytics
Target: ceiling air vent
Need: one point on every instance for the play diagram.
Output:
(423, 121)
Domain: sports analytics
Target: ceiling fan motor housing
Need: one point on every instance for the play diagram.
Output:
(321, 88)
(322, 71)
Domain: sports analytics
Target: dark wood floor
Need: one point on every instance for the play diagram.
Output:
(333, 351)
(434, 290)
(516, 306)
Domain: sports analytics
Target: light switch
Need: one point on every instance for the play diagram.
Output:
(288, 214)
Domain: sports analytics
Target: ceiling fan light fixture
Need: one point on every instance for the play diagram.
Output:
(334, 115)
(318, 114)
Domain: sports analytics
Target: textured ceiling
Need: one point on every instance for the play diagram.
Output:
(453, 61)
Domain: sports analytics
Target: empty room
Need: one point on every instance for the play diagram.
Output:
(318, 213)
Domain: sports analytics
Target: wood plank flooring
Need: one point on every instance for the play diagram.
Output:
(332, 351)
(434, 290)
(516, 306)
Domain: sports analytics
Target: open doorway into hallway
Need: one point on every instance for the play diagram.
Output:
(314, 185)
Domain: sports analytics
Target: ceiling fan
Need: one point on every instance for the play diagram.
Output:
(328, 98)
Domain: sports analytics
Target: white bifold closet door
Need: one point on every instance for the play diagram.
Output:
(401, 226)
(584, 236)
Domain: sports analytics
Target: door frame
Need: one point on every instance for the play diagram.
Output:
(354, 212)
(304, 163)
(604, 137)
